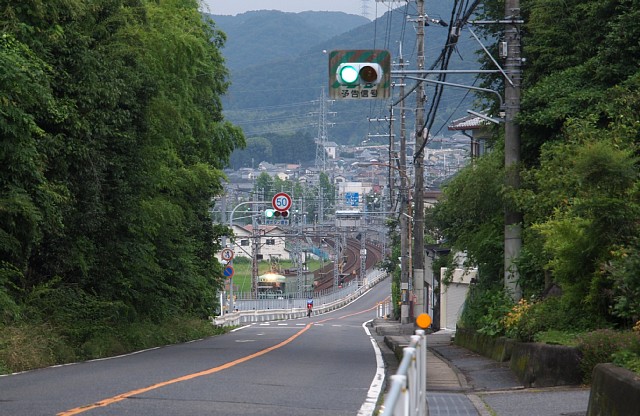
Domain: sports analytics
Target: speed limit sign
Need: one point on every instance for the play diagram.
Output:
(281, 202)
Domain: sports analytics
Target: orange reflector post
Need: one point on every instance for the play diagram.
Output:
(423, 320)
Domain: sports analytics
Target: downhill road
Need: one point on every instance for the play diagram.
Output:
(324, 365)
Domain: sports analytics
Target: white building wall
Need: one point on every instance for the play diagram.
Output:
(453, 296)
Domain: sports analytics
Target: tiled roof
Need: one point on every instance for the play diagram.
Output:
(467, 123)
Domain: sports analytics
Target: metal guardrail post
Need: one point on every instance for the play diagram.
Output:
(408, 392)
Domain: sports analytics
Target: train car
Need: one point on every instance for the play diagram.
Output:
(271, 285)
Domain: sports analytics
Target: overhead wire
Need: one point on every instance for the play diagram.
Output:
(460, 14)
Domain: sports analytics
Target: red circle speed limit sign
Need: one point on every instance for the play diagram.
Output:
(281, 202)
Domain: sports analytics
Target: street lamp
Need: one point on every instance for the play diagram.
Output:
(405, 237)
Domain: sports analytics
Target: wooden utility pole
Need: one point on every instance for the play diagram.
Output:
(512, 218)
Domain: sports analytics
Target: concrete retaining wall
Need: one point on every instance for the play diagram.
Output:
(535, 365)
(498, 349)
(543, 365)
(615, 391)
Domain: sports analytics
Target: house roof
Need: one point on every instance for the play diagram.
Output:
(467, 123)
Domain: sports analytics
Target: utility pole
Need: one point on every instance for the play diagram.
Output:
(404, 203)
(512, 218)
(418, 160)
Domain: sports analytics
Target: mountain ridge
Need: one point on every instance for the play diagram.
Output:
(280, 93)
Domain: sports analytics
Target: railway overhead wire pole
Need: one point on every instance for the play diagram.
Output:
(405, 235)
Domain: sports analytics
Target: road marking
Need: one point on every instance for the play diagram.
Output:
(375, 389)
(123, 396)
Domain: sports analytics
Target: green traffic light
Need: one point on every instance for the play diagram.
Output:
(349, 74)
(269, 213)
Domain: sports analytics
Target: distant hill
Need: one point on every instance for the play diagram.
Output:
(269, 35)
(279, 67)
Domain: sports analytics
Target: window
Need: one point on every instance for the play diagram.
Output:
(244, 243)
(271, 242)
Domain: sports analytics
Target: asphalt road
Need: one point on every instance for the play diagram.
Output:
(322, 365)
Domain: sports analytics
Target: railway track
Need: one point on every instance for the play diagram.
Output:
(350, 264)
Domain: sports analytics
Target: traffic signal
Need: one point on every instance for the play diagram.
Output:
(269, 213)
(360, 74)
(281, 214)
(351, 74)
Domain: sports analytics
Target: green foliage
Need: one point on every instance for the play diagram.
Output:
(26, 347)
(628, 359)
(624, 271)
(470, 214)
(581, 221)
(112, 145)
(602, 345)
(556, 337)
(549, 315)
(485, 309)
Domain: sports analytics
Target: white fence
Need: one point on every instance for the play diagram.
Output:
(408, 392)
(261, 310)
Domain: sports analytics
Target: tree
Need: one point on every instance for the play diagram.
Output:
(117, 147)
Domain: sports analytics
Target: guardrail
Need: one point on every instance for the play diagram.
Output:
(408, 392)
(321, 305)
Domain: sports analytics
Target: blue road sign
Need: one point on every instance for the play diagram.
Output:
(228, 271)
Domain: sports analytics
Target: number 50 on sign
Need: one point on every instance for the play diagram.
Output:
(281, 202)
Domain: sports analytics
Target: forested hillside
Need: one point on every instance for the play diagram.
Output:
(278, 75)
(112, 148)
(579, 194)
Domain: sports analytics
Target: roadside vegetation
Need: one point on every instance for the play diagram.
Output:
(579, 195)
(112, 148)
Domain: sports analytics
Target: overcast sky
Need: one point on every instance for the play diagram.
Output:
(233, 7)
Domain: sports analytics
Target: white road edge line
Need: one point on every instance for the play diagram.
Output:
(369, 406)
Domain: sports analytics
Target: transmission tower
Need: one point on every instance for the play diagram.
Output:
(321, 142)
(365, 8)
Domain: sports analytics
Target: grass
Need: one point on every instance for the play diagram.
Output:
(29, 346)
(569, 339)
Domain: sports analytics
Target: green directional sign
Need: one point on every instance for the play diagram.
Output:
(360, 74)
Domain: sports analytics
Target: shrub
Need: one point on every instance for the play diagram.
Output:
(514, 322)
(602, 345)
(627, 359)
(551, 314)
(485, 310)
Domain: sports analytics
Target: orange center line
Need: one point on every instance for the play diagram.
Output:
(123, 396)
(346, 316)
